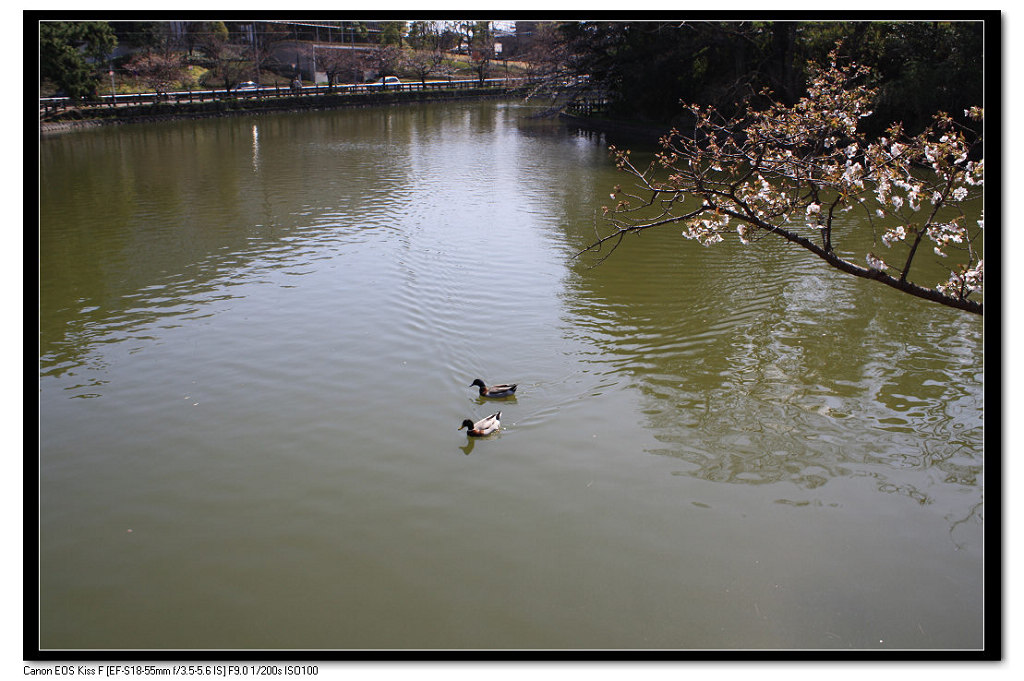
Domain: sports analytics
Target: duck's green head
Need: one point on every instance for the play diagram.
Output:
(478, 382)
(466, 424)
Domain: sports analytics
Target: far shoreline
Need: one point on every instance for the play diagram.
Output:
(79, 119)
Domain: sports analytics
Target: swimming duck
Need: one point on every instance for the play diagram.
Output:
(498, 390)
(484, 426)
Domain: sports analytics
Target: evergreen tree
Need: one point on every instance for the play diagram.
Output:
(71, 54)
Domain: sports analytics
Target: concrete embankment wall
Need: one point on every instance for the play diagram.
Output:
(88, 117)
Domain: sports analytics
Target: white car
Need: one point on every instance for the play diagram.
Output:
(388, 80)
(248, 85)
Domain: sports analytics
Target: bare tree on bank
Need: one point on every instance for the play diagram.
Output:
(341, 65)
(158, 70)
(385, 60)
(790, 171)
(424, 64)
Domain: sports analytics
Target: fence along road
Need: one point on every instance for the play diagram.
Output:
(53, 104)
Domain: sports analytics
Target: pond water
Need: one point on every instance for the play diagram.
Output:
(257, 336)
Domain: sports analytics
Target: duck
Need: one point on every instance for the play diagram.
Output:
(497, 390)
(485, 426)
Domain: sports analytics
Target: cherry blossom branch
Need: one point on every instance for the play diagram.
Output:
(767, 171)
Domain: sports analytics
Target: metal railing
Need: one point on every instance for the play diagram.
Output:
(587, 106)
(53, 104)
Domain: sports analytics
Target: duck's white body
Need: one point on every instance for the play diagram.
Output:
(485, 426)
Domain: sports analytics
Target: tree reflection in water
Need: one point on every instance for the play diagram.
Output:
(757, 369)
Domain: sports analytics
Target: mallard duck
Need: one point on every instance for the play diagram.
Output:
(484, 426)
(498, 390)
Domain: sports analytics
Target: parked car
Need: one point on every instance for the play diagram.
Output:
(248, 85)
(388, 80)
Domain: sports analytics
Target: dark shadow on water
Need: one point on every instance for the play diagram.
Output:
(480, 400)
